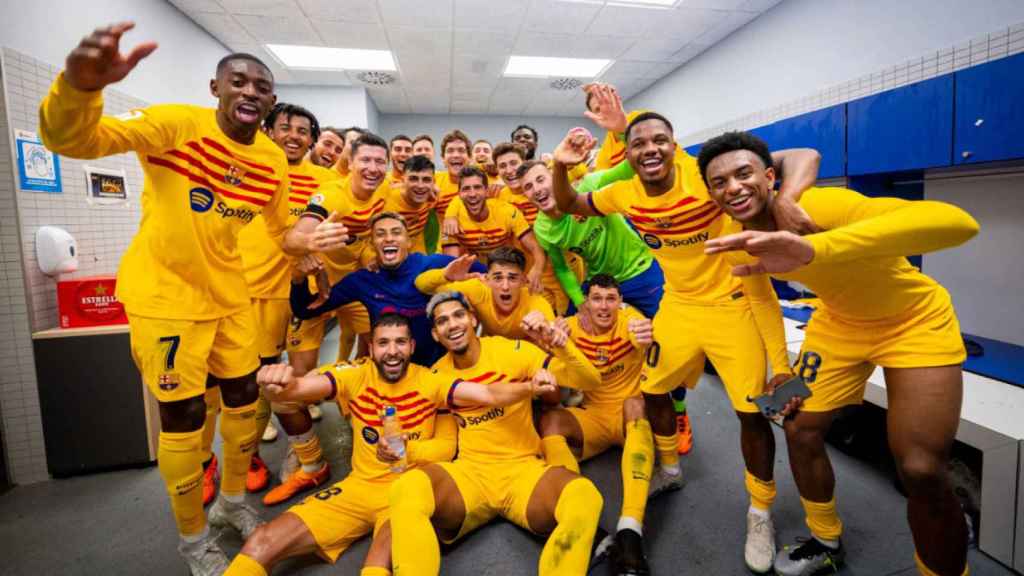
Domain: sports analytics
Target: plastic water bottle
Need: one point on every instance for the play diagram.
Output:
(393, 436)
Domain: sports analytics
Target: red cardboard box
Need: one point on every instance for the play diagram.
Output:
(89, 302)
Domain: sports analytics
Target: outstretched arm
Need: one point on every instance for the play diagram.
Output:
(465, 393)
(440, 448)
(279, 384)
(572, 150)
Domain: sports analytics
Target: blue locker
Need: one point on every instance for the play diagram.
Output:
(908, 128)
(823, 130)
(990, 111)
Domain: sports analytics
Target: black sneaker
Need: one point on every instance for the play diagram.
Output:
(627, 556)
(603, 542)
(808, 558)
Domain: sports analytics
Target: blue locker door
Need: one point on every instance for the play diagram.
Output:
(823, 130)
(990, 111)
(908, 128)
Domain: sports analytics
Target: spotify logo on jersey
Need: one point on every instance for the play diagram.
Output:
(201, 199)
(652, 241)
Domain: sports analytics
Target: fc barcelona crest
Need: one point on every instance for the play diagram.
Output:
(234, 175)
(602, 356)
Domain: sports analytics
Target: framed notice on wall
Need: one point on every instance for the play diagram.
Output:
(38, 168)
(106, 186)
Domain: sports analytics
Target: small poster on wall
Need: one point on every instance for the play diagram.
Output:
(106, 186)
(38, 168)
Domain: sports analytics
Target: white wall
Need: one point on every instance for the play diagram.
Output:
(984, 276)
(179, 70)
(496, 129)
(338, 106)
(803, 46)
(372, 115)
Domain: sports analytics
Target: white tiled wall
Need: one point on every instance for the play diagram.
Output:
(28, 299)
(999, 44)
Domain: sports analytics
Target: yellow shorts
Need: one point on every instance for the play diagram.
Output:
(837, 357)
(602, 427)
(306, 335)
(176, 356)
(272, 317)
(685, 333)
(495, 489)
(343, 513)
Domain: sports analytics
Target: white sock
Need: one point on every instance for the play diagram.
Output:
(673, 470)
(833, 544)
(627, 523)
(758, 512)
(314, 467)
(233, 498)
(193, 538)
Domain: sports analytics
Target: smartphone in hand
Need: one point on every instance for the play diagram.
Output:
(771, 404)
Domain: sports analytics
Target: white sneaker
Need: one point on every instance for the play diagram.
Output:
(270, 432)
(315, 412)
(204, 558)
(662, 481)
(242, 517)
(759, 551)
(289, 465)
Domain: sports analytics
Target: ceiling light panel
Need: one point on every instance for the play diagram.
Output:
(544, 67)
(323, 58)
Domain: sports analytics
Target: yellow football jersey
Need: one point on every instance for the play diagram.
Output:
(616, 355)
(503, 226)
(860, 279)
(480, 296)
(521, 202)
(267, 269)
(675, 226)
(487, 434)
(201, 188)
(448, 189)
(337, 196)
(360, 390)
(415, 217)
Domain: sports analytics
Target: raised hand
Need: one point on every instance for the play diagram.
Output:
(458, 270)
(643, 330)
(575, 147)
(777, 252)
(533, 321)
(607, 105)
(534, 280)
(386, 454)
(97, 60)
(585, 319)
(274, 379)
(494, 189)
(328, 235)
(790, 216)
(543, 382)
(307, 265)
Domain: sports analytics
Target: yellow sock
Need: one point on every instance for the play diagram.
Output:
(557, 453)
(262, 415)
(414, 546)
(762, 493)
(925, 571)
(637, 465)
(238, 429)
(822, 519)
(243, 565)
(180, 462)
(374, 571)
(308, 450)
(668, 449)
(567, 550)
(212, 399)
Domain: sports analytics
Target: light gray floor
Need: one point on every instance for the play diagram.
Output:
(119, 523)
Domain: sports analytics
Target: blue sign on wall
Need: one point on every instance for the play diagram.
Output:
(38, 168)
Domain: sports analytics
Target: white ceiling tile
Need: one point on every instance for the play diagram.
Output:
(661, 69)
(470, 69)
(623, 21)
(599, 46)
(537, 44)
(759, 5)
(552, 16)
(189, 6)
(420, 13)
(479, 43)
(321, 77)
(420, 45)
(346, 10)
(222, 26)
(688, 52)
(487, 15)
(469, 106)
(628, 69)
(279, 29)
(351, 34)
(522, 86)
(506, 108)
(656, 48)
(287, 8)
(712, 4)
(685, 23)
(732, 22)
